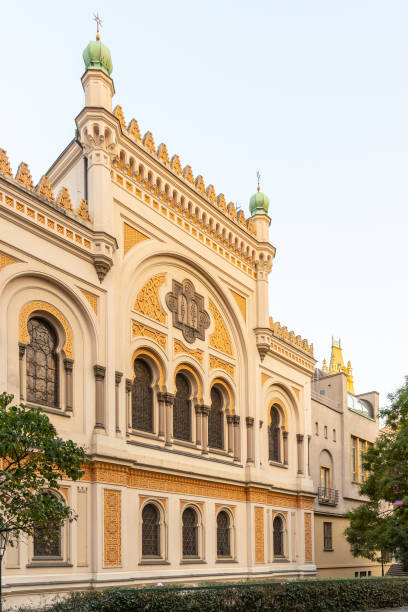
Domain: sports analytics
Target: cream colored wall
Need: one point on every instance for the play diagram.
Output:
(339, 562)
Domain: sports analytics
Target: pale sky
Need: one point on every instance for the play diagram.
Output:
(313, 94)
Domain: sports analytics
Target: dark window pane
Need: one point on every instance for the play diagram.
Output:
(190, 539)
(42, 364)
(142, 397)
(181, 409)
(327, 534)
(216, 420)
(278, 537)
(150, 531)
(223, 535)
(274, 436)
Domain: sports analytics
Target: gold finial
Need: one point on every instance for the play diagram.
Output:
(98, 25)
(258, 176)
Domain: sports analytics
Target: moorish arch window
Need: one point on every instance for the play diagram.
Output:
(274, 434)
(182, 409)
(142, 397)
(216, 420)
(42, 363)
(190, 533)
(151, 531)
(223, 534)
(278, 537)
(47, 541)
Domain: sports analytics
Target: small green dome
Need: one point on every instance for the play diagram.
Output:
(97, 56)
(259, 204)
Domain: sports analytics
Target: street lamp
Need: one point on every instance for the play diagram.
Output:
(4, 537)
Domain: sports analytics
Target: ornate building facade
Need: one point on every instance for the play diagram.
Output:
(134, 310)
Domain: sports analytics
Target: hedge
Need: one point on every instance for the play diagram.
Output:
(303, 596)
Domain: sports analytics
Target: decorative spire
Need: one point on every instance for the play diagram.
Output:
(324, 366)
(98, 21)
(44, 189)
(259, 202)
(258, 176)
(64, 199)
(5, 164)
(96, 55)
(23, 176)
(83, 210)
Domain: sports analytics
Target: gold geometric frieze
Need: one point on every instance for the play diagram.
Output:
(161, 500)
(179, 347)
(241, 302)
(112, 532)
(6, 260)
(308, 538)
(140, 330)
(147, 300)
(219, 339)
(131, 237)
(216, 363)
(92, 299)
(259, 535)
(24, 336)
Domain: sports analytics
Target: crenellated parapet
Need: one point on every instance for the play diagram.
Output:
(290, 337)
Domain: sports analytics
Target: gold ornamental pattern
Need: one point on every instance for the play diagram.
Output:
(216, 363)
(180, 348)
(219, 339)
(140, 330)
(6, 260)
(259, 535)
(28, 309)
(147, 300)
(112, 536)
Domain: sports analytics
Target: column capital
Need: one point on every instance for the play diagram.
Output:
(249, 421)
(205, 410)
(99, 371)
(299, 437)
(260, 424)
(118, 378)
(236, 419)
(285, 434)
(129, 385)
(230, 419)
(21, 349)
(68, 364)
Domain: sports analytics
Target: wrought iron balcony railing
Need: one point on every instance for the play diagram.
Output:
(327, 497)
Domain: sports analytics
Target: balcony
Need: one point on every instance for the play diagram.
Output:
(327, 497)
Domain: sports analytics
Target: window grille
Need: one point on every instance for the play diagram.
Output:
(150, 531)
(181, 409)
(274, 436)
(42, 364)
(142, 397)
(327, 536)
(278, 550)
(190, 533)
(216, 420)
(223, 535)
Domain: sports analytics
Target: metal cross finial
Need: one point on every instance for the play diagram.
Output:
(258, 176)
(98, 24)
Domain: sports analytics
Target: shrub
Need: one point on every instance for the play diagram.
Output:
(300, 596)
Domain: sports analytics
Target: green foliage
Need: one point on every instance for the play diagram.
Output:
(32, 459)
(377, 525)
(300, 596)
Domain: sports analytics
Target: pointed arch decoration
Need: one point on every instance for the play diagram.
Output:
(28, 309)
(147, 300)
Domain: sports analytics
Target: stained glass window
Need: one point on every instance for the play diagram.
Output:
(223, 535)
(142, 397)
(42, 364)
(150, 531)
(274, 436)
(181, 409)
(278, 537)
(190, 533)
(216, 420)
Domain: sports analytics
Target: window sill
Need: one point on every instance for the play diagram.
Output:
(50, 410)
(49, 564)
(144, 434)
(276, 464)
(281, 560)
(328, 549)
(192, 561)
(226, 560)
(154, 562)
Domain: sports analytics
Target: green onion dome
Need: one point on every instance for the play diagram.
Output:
(259, 204)
(97, 56)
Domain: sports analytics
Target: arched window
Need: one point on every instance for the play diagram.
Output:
(274, 436)
(42, 363)
(223, 534)
(150, 531)
(190, 533)
(216, 420)
(181, 409)
(278, 549)
(142, 397)
(48, 540)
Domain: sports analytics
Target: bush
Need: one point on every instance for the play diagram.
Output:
(302, 596)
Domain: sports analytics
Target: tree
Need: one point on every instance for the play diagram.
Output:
(33, 460)
(378, 525)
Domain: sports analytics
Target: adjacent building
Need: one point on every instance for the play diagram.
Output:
(343, 425)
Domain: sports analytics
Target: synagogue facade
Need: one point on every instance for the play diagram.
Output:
(134, 310)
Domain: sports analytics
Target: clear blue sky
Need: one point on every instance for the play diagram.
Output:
(313, 94)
